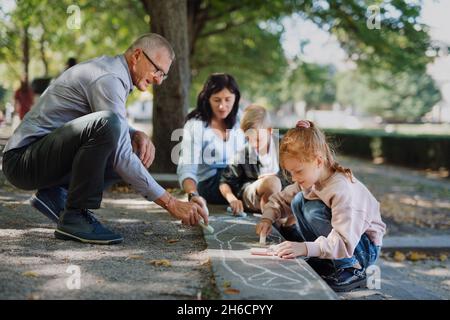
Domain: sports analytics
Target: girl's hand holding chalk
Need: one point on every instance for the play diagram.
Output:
(264, 227)
(262, 239)
(239, 214)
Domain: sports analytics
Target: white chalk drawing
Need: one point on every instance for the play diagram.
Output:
(298, 278)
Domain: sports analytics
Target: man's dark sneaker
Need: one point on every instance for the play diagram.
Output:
(82, 226)
(347, 279)
(50, 202)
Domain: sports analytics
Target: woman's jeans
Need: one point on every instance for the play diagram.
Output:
(314, 220)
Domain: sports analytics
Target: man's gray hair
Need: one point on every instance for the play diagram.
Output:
(150, 42)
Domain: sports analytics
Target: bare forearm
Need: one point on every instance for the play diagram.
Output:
(189, 185)
(227, 193)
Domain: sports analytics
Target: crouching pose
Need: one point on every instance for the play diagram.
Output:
(332, 218)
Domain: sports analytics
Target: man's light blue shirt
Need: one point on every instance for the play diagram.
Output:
(100, 84)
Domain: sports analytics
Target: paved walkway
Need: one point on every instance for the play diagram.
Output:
(159, 259)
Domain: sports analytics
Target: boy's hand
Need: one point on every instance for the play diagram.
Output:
(290, 249)
(264, 227)
(237, 206)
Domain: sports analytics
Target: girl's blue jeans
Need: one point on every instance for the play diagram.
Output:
(314, 220)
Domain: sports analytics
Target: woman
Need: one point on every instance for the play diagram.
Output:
(210, 139)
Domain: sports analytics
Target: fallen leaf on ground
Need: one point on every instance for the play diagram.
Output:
(399, 257)
(416, 256)
(160, 263)
(148, 233)
(231, 291)
(172, 240)
(205, 262)
(134, 257)
(30, 274)
(33, 296)
(121, 189)
(226, 284)
(11, 205)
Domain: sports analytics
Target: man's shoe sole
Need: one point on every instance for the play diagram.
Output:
(40, 206)
(67, 236)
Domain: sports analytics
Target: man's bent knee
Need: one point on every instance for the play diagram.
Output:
(110, 124)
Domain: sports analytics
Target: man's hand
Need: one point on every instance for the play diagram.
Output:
(143, 147)
(290, 249)
(189, 213)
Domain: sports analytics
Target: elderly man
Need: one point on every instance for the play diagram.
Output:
(76, 140)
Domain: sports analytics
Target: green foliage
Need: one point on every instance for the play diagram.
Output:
(395, 97)
(243, 38)
(399, 45)
(232, 40)
(312, 83)
(3, 96)
(107, 27)
(419, 151)
(252, 54)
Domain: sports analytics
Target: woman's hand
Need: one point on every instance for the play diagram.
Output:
(264, 227)
(290, 249)
(237, 206)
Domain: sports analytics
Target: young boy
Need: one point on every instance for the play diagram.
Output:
(255, 175)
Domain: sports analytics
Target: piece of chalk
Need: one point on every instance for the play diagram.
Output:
(240, 214)
(261, 252)
(207, 227)
(262, 239)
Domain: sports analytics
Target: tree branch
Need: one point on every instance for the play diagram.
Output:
(228, 26)
(230, 10)
(146, 6)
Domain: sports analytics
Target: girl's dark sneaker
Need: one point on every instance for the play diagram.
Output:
(347, 279)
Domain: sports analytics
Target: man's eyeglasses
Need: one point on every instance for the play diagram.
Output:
(159, 72)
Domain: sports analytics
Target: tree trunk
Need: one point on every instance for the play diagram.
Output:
(170, 104)
(26, 53)
(42, 49)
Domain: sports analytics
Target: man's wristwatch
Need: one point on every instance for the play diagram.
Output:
(192, 194)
